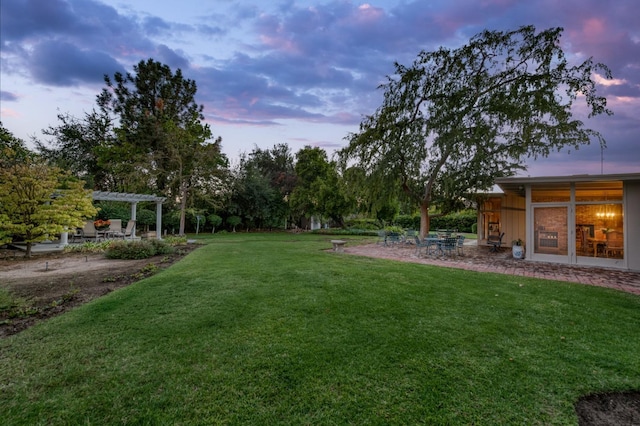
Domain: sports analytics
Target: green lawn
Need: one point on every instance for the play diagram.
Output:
(272, 329)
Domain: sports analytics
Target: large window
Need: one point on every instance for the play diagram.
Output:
(551, 193)
(599, 219)
(599, 223)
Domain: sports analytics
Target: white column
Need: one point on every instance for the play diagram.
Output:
(134, 209)
(64, 238)
(159, 220)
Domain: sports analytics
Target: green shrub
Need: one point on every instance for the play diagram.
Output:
(88, 247)
(461, 221)
(368, 224)
(113, 210)
(131, 250)
(145, 218)
(162, 247)
(474, 228)
(174, 240)
(215, 221)
(406, 221)
(234, 221)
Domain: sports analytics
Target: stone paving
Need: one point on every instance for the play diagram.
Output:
(479, 258)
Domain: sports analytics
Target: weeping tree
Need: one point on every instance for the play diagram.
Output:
(456, 119)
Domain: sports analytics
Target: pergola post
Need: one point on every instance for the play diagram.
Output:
(159, 220)
(134, 217)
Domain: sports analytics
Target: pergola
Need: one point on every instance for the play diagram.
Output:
(134, 199)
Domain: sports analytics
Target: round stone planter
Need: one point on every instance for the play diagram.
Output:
(518, 252)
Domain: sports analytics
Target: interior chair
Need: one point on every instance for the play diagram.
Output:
(614, 246)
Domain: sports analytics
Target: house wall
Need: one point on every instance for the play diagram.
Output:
(513, 219)
(632, 224)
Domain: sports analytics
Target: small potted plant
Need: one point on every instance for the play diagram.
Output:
(517, 249)
(102, 225)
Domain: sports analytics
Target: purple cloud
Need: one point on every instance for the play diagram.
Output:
(7, 96)
(63, 64)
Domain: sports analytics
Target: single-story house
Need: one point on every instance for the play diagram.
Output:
(589, 220)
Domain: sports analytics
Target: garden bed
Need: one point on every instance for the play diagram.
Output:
(51, 284)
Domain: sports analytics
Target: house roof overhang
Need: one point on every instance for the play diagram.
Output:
(517, 184)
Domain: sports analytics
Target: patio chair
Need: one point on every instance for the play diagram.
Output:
(130, 230)
(89, 231)
(409, 236)
(495, 241)
(460, 244)
(76, 236)
(425, 243)
(448, 245)
(116, 226)
(392, 239)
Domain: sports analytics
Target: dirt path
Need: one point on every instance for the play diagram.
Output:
(51, 284)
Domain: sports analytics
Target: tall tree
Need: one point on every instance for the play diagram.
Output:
(190, 159)
(319, 190)
(263, 181)
(161, 137)
(77, 145)
(12, 149)
(456, 119)
(148, 105)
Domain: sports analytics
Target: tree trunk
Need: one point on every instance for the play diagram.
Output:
(424, 219)
(183, 208)
(27, 253)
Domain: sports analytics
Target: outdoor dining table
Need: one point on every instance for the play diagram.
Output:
(432, 242)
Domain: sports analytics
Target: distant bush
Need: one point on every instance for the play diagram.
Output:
(174, 240)
(162, 247)
(141, 249)
(113, 210)
(406, 221)
(88, 247)
(369, 224)
(460, 221)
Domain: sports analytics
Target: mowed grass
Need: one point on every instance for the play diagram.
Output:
(272, 329)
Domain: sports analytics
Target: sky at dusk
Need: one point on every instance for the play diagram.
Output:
(299, 72)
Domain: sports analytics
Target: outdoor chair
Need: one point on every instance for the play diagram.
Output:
(130, 230)
(393, 238)
(448, 245)
(116, 226)
(425, 243)
(76, 236)
(408, 238)
(460, 244)
(495, 241)
(127, 232)
(89, 231)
